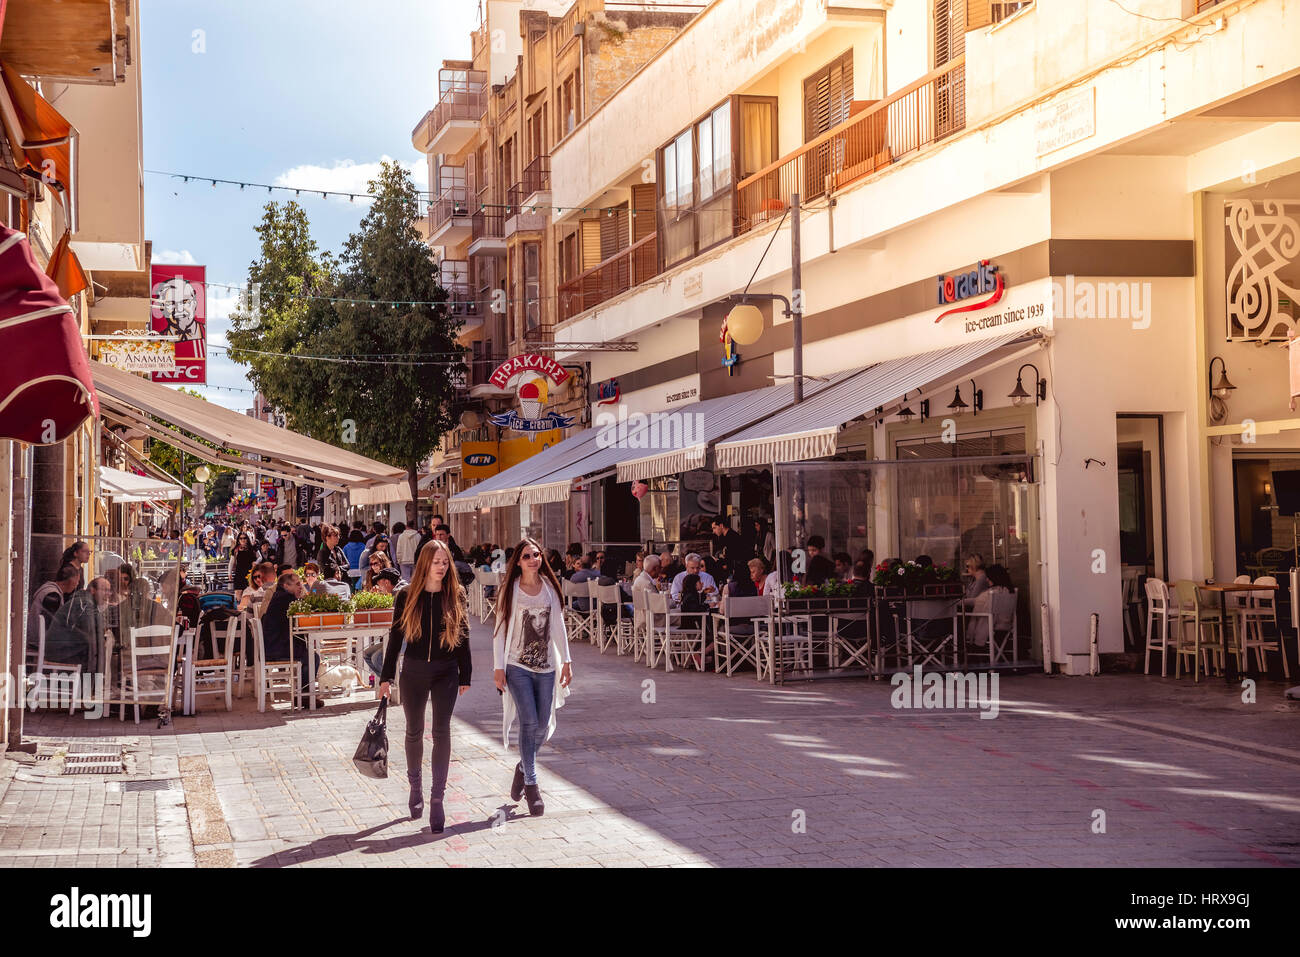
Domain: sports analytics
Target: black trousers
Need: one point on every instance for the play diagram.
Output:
(420, 681)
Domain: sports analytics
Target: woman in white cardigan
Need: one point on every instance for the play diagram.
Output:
(528, 644)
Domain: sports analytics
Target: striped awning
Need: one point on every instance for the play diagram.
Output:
(809, 430)
(678, 440)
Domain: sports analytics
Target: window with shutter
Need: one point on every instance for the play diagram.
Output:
(590, 243)
(950, 23)
(828, 95)
(828, 99)
(643, 201)
(613, 232)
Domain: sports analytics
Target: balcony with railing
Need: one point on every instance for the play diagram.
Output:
(449, 217)
(919, 115)
(487, 232)
(451, 125)
(536, 179)
(617, 274)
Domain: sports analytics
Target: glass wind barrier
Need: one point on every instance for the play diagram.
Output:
(945, 550)
(101, 621)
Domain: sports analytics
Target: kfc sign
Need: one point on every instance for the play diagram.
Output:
(179, 308)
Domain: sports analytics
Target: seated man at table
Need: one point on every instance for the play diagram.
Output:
(275, 629)
(647, 582)
(820, 568)
(694, 566)
(584, 574)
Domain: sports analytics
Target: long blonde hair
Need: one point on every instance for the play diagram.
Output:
(453, 609)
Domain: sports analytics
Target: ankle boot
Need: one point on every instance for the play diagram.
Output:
(416, 799)
(517, 785)
(534, 795)
(437, 817)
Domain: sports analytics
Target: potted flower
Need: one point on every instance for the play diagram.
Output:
(372, 608)
(318, 611)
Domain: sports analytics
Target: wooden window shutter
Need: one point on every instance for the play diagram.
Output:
(979, 13)
(950, 25)
(643, 201)
(590, 244)
(613, 232)
(828, 95)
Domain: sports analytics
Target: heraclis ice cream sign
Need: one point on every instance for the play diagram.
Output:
(531, 378)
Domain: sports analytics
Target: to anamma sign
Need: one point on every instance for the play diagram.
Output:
(983, 279)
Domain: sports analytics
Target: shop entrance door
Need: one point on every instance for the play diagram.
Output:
(1139, 443)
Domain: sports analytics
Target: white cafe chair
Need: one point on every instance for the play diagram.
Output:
(149, 667)
(61, 675)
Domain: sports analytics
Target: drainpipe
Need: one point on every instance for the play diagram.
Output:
(796, 298)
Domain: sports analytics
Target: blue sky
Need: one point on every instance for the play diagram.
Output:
(310, 93)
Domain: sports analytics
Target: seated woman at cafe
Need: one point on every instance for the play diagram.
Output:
(979, 579)
(377, 563)
(996, 599)
(276, 632)
(311, 576)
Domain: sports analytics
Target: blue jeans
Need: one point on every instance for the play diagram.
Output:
(533, 693)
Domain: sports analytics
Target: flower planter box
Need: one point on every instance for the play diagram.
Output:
(373, 616)
(318, 621)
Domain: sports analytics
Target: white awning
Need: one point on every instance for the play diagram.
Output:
(530, 475)
(281, 453)
(809, 430)
(680, 442)
(128, 487)
(395, 493)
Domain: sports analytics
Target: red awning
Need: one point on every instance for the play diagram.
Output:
(46, 391)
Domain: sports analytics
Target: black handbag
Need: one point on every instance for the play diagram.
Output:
(371, 758)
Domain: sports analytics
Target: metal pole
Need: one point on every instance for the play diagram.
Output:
(796, 299)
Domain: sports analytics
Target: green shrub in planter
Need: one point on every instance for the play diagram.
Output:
(313, 604)
(371, 600)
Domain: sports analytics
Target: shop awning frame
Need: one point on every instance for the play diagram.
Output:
(285, 454)
(123, 486)
(810, 429)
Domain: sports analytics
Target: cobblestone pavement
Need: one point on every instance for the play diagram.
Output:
(695, 770)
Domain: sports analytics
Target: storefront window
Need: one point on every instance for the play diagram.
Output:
(661, 512)
(943, 509)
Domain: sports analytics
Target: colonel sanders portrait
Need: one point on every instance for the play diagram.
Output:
(178, 302)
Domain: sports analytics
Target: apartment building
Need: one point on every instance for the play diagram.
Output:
(1027, 233)
(537, 70)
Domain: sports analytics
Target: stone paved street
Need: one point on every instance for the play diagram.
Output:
(715, 771)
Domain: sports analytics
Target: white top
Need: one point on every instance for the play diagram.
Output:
(644, 583)
(772, 586)
(406, 545)
(535, 637)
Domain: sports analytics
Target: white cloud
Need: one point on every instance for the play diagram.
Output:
(347, 176)
(172, 257)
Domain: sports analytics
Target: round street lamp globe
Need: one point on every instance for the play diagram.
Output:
(745, 324)
(201, 474)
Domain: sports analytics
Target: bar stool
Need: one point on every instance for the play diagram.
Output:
(1162, 611)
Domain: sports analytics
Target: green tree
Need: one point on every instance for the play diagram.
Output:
(394, 406)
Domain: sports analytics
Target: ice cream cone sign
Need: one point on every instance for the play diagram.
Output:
(530, 376)
(532, 397)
